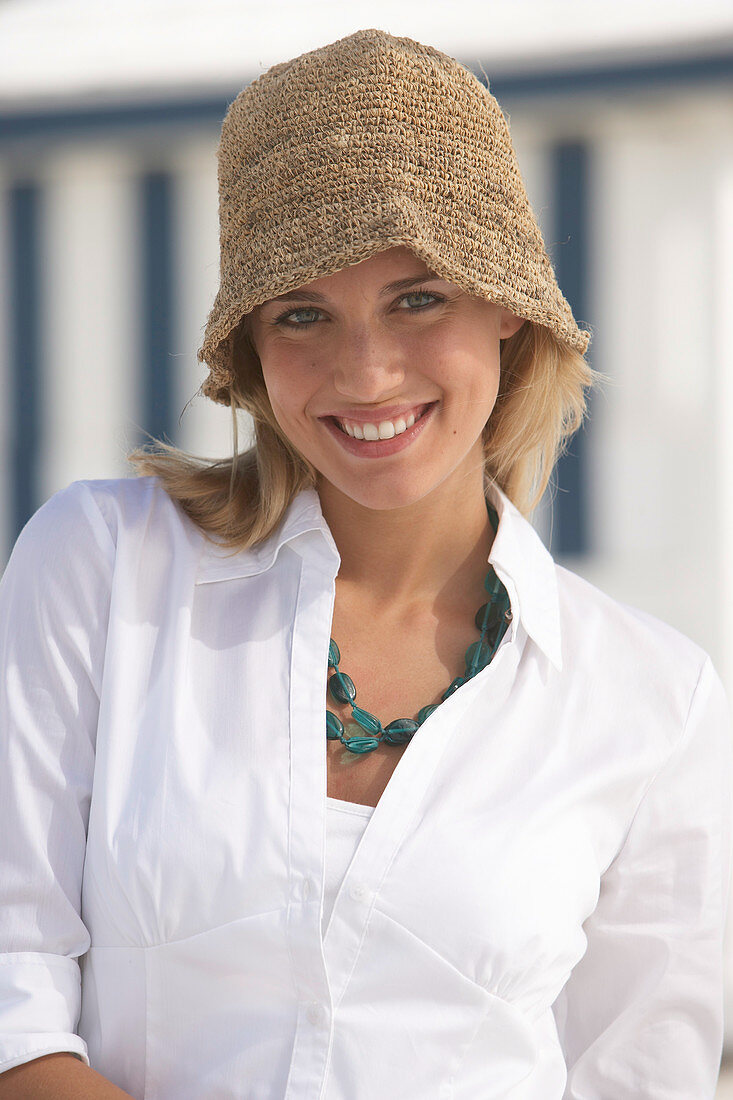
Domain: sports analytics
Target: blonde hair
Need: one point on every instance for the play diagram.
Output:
(240, 500)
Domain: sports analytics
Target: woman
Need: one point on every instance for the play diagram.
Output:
(301, 845)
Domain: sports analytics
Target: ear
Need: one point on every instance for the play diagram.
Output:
(509, 324)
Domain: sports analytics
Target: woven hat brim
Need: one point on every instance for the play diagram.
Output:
(397, 222)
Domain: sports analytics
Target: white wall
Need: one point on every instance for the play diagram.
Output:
(657, 500)
(205, 426)
(90, 400)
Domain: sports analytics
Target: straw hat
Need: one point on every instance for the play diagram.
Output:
(367, 143)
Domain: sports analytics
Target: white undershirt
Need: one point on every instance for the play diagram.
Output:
(345, 824)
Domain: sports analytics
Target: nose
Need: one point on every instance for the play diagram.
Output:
(368, 366)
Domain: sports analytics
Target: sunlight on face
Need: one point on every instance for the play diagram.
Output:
(368, 348)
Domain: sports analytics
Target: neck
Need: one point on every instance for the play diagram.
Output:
(398, 557)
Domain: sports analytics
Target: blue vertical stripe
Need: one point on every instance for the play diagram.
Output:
(569, 172)
(24, 421)
(156, 304)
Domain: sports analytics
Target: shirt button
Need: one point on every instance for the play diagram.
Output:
(314, 1013)
(358, 892)
(306, 889)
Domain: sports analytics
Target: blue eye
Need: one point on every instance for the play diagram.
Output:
(283, 319)
(420, 294)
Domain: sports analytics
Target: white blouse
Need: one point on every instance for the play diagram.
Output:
(535, 909)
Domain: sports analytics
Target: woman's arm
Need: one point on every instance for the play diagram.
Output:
(641, 1016)
(54, 605)
(62, 1076)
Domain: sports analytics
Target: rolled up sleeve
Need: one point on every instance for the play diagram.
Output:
(54, 607)
(641, 1016)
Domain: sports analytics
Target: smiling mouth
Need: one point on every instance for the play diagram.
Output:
(372, 431)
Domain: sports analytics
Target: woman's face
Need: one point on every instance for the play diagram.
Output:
(383, 376)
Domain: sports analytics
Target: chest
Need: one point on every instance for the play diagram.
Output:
(396, 672)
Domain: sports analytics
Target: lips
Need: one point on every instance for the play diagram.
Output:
(383, 423)
(388, 443)
(377, 429)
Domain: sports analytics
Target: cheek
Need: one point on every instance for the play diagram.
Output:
(286, 388)
(494, 379)
(475, 385)
(465, 357)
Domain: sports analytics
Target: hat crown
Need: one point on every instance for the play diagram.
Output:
(352, 103)
(369, 142)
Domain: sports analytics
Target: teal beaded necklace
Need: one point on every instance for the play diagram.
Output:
(492, 621)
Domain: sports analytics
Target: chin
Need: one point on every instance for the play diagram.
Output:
(379, 498)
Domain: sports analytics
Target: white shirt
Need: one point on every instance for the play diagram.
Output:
(535, 910)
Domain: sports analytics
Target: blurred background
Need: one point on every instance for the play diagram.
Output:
(622, 117)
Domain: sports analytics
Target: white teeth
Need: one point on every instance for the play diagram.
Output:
(386, 429)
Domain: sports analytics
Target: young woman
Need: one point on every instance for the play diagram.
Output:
(321, 778)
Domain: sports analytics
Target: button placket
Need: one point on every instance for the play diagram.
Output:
(312, 620)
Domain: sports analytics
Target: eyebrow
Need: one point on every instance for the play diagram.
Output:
(398, 284)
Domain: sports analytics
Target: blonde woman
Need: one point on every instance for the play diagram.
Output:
(321, 779)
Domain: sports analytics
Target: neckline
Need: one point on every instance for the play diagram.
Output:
(349, 807)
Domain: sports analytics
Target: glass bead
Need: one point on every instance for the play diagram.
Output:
(478, 656)
(367, 721)
(342, 688)
(361, 744)
(334, 726)
(334, 656)
(454, 686)
(492, 584)
(400, 731)
(493, 617)
(425, 712)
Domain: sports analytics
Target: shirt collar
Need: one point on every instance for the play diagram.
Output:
(527, 569)
(521, 560)
(219, 563)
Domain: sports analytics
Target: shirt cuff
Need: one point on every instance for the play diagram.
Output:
(40, 1000)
